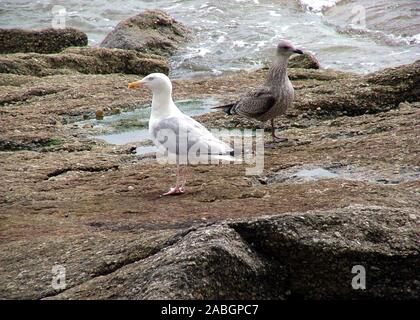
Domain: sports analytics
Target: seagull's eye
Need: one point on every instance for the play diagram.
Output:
(150, 78)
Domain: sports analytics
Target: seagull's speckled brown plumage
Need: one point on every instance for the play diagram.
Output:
(275, 96)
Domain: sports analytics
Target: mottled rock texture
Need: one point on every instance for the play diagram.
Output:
(42, 41)
(83, 60)
(152, 31)
(294, 255)
(96, 209)
(305, 61)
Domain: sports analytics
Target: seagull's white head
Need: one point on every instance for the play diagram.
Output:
(286, 49)
(157, 82)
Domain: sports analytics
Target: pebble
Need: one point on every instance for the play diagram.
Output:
(99, 114)
(130, 188)
(412, 216)
(115, 111)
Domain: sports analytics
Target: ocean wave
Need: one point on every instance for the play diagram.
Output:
(380, 36)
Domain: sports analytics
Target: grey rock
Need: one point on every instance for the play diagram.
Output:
(294, 255)
(152, 31)
(83, 60)
(305, 61)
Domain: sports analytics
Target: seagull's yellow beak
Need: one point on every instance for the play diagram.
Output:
(135, 84)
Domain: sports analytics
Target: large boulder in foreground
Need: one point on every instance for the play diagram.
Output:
(83, 60)
(152, 31)
(40, 41)
(311, 255)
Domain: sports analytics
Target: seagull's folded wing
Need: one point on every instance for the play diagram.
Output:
(255, 103)
(181, 134)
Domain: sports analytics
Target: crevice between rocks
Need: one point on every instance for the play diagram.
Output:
(22, 97)
(61, 171)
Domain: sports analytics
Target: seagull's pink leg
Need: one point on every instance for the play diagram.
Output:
(179, 188)
(184, 176)
(273, 134)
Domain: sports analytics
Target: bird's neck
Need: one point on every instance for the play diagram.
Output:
(162, 105)
(277, 75)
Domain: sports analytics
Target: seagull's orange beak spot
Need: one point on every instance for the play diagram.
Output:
(134, 85)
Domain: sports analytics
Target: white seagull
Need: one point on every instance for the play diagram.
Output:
(178, 134)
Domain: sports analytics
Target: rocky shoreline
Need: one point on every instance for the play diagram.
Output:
(68, 199)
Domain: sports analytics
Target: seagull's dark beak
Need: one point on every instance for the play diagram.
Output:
(298, 51)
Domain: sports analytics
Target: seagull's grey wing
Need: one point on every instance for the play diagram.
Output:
(255, 103)
(181, 134)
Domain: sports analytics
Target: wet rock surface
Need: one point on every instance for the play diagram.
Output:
(83, 60)
(304, 61)
(295, 255)
(43, 41)
(68, 199)
(152, 31)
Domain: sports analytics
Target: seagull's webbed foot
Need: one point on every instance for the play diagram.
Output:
(175, 191)
(273, 134)
(181, 179)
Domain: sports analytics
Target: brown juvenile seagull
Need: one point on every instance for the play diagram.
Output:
(274, 97)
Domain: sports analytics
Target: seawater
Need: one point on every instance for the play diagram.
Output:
(360, 36)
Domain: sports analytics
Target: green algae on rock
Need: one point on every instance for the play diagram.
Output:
(86, 60)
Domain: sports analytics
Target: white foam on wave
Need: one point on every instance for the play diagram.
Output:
(274, 13)
(407, 40)
(239, 44)
(254, 1)
(416, 38)
(196, 52)
(176, 5)
(221, 39)
(389, 39)
(398, 53)
(317, 5)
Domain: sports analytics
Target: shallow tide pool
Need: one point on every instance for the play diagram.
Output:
(132, 126)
